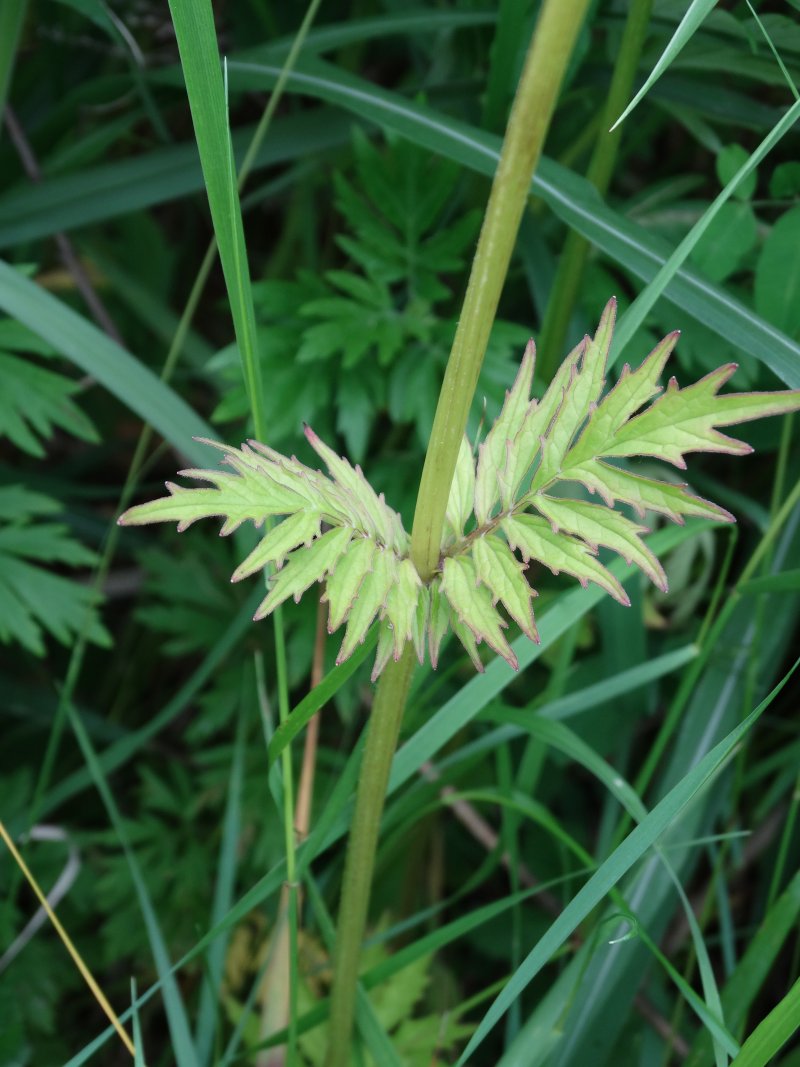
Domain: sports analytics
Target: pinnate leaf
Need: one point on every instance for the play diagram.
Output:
(536, 540)
(473, 605)
(439, 620)
(401, 604)
(345, 582)
(499, 570)
(644, 494)
(684, 420)
(304, 567)
(300, 528)
(371, 598)
(462, 490)
(506, 510)
(597, 525)
(493, 453)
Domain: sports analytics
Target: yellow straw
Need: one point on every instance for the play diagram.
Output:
(62, 933)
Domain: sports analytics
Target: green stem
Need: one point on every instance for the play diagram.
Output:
(383, 731)
(571, 262)
(528, 123)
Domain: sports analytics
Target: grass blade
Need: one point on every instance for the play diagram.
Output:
(689, 24)
(197, 44)
(772, 1032)
(636, 845)
(182, 1046)
(114, 368)
(571, 197)
(208, 1013)
(633, 318)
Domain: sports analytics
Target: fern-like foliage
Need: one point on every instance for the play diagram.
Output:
(33, 399)
(505, 509)
(32, 599)
(377, 328)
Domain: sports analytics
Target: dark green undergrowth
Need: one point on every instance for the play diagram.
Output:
(593, 860)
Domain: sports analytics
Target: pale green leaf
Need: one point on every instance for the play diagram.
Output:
(439, 620)
(684, 420)
(343, 585)
(492, 454)
(462, 489)
(473, 606)
(252, 493)
(312, 487)
(598, 525)
(420, 623)
(499, 570)
(370, 600)
(644, 494)
(300, 528)
(364, 502)
(528, 441)
(535, 540)
(595, 357)
(304, 567)
(581, 394)
(632, 391)
(384, 650)
(467, 639)
(401, 604)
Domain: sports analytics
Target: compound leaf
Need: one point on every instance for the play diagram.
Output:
(33, 401)
(516, 491)
(34, 600)
(473, 605)
(462, 490)
(684, 420)
(304, 567)
(535, 539)
(401, 604)
(492, 454)
(300, 528)
(370, 600)
(500, 571)
(345, 582)
(597, 525)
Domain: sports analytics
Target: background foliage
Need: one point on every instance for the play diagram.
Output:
(360, 219)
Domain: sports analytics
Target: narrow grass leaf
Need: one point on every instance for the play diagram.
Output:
(210, 999)
(687, 27)
(138, 1059)
(640, 308)
(197, 44)
(319, 696)
(97, 355)
(754, 967)
(772, 1033)
(182, 1045)
(572, 198)
(636, 845)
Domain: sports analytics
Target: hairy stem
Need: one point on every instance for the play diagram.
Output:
(533, 107)
(383, 730)
(542, 74)
(572, 260)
